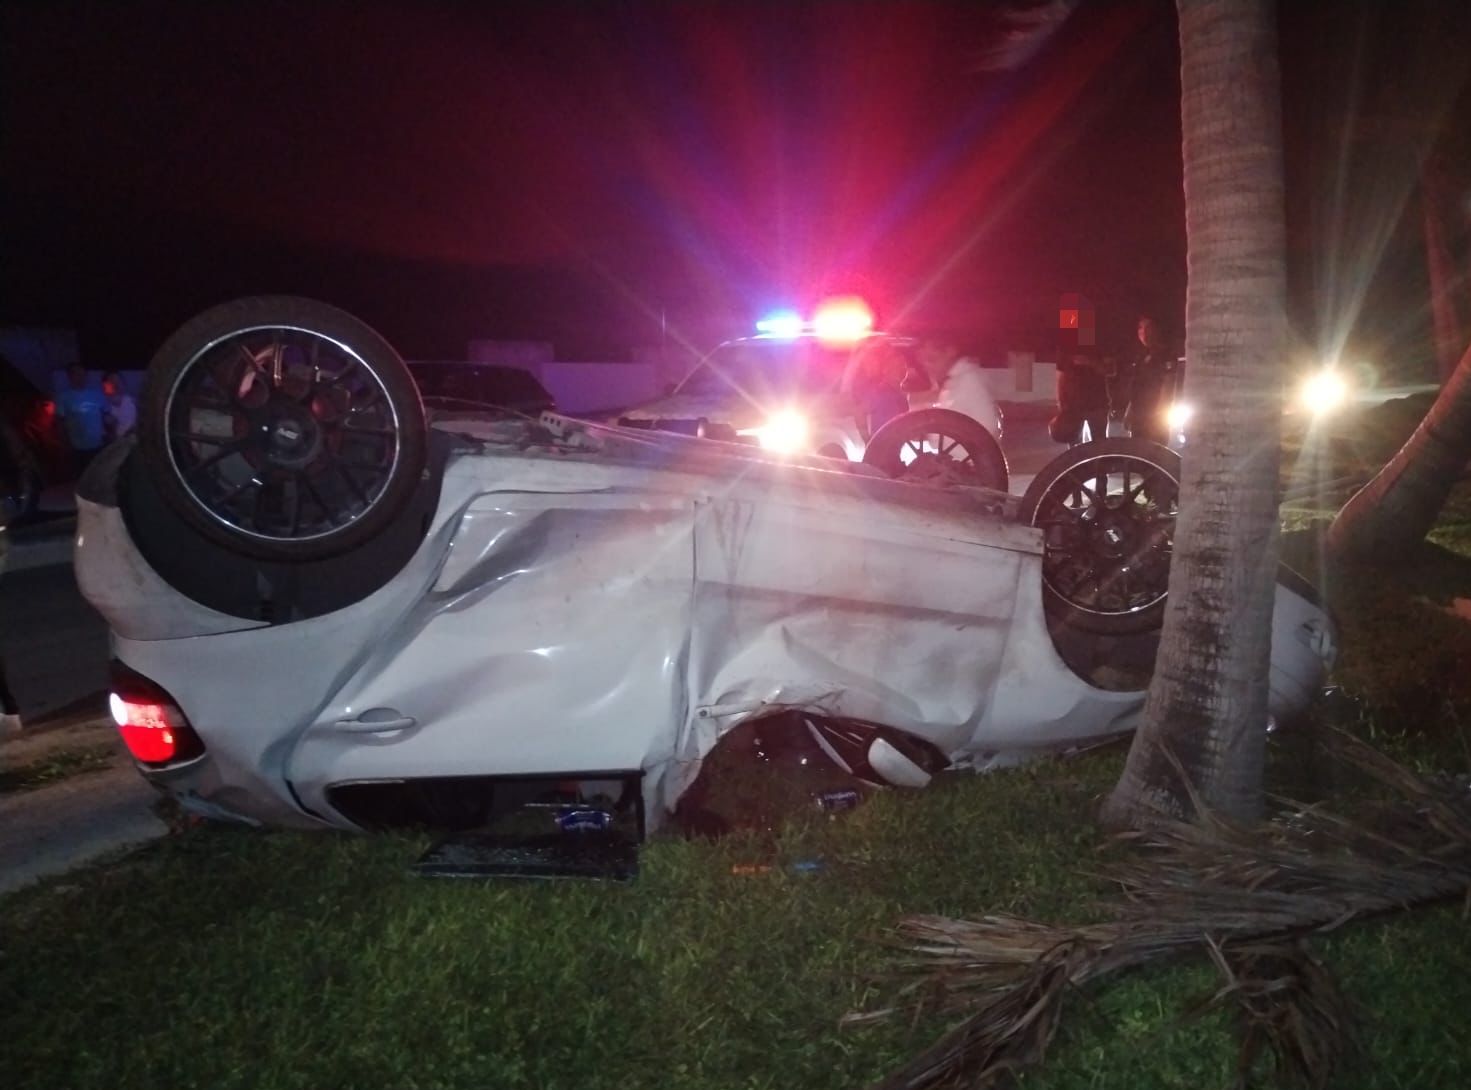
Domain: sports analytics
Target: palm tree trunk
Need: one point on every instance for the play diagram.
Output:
(1207, 705)
(1396, 509)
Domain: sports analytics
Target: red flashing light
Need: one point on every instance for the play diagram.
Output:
(844, 319)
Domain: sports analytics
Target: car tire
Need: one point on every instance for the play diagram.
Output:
(1106, 558)
(983, 464)
(282, 428)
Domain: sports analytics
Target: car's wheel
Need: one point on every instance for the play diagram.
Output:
(1107, 513)
(938, 446)
(282, 428)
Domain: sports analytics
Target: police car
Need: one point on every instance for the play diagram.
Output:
(831, 386)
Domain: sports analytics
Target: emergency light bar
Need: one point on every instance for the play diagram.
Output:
(843, 319)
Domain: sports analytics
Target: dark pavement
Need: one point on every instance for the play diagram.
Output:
(55, 646)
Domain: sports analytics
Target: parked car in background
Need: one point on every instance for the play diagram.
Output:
(485, 385)
(332, 609)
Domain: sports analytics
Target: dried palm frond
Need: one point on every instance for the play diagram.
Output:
(1206, 885)
(1290, 1007)
(1008, 1030)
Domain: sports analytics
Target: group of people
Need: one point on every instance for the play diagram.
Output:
(884, 380)
(1135, 391)
(93, 415)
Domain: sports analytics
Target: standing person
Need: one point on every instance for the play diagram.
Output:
(9, 709)
(122, 411)
(961, 382)
(18, 475)
(80, 409)
(1146, 385)
(1082, 397)
(876, 385)
(14, 463)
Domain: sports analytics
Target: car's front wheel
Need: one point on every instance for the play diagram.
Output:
(282, 428)
(939, 447)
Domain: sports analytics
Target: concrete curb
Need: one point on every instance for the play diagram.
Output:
(42, 546)
(80, 820)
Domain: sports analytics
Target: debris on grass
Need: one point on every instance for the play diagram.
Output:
(1291, 1010)
(1240, 895)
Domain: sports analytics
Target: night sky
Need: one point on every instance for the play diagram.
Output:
(603, 174)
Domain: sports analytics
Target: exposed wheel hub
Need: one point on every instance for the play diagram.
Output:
(939, 469)
(1114, 535)
(292, 435)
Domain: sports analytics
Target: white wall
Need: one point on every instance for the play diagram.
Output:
(599, 387)
(525, 354)
(1024, 378)
(593, 386)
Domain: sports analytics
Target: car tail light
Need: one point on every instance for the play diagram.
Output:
(152, 725)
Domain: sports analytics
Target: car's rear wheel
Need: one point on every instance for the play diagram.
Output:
(939, 447)
(1107, 513)
(282, 428)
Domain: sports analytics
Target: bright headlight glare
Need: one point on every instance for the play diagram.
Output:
(785, 432)
(1178, 415)
(1323, 391)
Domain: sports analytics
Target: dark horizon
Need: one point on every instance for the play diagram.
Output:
(597, 176)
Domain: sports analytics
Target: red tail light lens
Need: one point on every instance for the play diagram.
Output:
(150, 721)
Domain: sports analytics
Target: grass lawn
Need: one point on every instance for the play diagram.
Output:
(232, 958)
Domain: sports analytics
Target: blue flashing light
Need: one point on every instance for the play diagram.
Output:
(785, 324)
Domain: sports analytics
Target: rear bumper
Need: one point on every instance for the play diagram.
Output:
(201, 787)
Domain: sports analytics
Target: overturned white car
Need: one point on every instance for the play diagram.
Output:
(328, 611)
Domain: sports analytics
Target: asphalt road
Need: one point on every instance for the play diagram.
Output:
(79, 819)
(54, 643)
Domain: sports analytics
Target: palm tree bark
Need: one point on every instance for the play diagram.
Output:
(1395, 510)
(1207, 704)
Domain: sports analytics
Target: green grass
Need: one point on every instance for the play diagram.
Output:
(227, 958)
(234, 958)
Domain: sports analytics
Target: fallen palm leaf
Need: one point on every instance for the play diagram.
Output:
(1192, 886)
(1290, 1007)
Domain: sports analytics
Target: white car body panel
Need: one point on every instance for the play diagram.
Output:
(617, 606)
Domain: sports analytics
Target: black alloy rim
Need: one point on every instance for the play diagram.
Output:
(282, 434)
